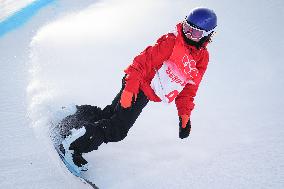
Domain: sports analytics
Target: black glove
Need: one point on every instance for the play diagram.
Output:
(184, 132)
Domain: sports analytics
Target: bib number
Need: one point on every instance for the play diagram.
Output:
(168, 82)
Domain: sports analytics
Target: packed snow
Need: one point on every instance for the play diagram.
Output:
(8, 7)
(75, 52)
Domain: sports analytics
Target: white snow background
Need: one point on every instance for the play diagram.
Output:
(74, 52)
(8, 7)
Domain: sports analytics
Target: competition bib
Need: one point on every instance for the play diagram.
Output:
(174, 74)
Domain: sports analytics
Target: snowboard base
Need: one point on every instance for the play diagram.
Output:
(59, 132)
(73, 171)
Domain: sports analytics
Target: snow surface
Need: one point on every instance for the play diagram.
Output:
(74, 52)
(8, 7)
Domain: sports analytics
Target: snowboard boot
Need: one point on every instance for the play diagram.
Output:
(90, 141)
(80, 161)
(73, 157)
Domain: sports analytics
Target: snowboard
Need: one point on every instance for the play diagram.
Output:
(73, 170)
(58, 133)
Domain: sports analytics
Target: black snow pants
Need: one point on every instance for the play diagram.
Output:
(108, 125)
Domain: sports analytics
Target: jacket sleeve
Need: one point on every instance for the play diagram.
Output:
(185, 100)
(147, 60)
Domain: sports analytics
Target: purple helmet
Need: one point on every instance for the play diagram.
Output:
(202, 18)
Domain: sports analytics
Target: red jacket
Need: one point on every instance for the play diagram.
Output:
(142, 70)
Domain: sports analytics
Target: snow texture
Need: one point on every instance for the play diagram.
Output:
(8, 7)
(74, 52)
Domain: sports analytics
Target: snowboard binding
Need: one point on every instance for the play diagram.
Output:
(73, 158)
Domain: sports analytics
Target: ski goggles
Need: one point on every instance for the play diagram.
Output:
(193, 32)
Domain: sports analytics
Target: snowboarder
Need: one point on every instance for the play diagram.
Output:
(170, 70)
